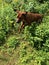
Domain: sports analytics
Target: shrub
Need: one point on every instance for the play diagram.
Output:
(25, 1)
(30, 6)
(43, 29)
(42, 1)
(16, 5)
(7, 18)
(35, 7)
(8, 1)
(8, 13)
(12, 42)
(46, 45)
(33, 43)
(38, 43)
(2, 37)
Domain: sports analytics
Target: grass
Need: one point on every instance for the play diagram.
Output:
(12, 57)
(24, 53)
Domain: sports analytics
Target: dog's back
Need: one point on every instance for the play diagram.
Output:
(31, 17)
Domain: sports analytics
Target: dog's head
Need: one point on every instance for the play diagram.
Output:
(21, 16)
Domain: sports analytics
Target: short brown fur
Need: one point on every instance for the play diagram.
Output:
(27, 18)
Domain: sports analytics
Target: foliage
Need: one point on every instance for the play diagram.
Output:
(12, 42)
(7, 18)
(2, 37)
(31, 45)
(8, 1)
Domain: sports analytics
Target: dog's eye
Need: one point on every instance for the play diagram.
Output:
(20, 18)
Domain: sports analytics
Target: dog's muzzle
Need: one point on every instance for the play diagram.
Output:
(17, 20)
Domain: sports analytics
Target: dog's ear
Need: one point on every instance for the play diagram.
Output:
(24, 14)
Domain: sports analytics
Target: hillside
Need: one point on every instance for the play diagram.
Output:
(31, 45)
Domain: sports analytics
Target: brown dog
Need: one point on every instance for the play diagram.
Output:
(27, 18)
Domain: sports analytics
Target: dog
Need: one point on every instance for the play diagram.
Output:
(27, 18)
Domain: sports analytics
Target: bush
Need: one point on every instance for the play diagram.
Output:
(12, 42)
(16, 5)
(43, 29)
(8, 18)
(42, 1)
(32, 43)
(2, 37)
(46, 45)
(8, 1)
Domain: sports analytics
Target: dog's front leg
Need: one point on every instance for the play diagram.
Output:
(22, 26)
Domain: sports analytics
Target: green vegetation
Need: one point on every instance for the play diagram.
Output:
(31, 45)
